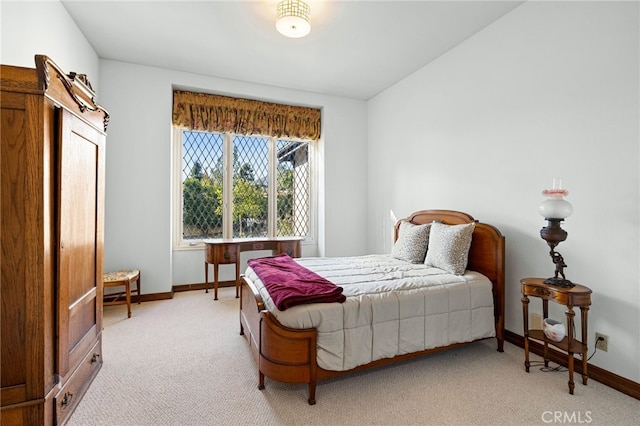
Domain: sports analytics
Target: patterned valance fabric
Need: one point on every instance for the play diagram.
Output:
(215, 113)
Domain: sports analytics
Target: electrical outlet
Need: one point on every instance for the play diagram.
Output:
(602, 342)
(536, 321)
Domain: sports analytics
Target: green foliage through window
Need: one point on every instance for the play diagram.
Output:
(203, 186)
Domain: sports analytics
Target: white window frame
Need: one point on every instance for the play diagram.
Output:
(227, 221)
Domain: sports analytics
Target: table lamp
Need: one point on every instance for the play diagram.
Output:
(555, 209)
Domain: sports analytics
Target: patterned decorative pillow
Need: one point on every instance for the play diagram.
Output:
(412, 242)
(449, 247)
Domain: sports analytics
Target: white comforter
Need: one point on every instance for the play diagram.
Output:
(392, 308)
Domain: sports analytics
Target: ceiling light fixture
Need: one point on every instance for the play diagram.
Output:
(293, 18)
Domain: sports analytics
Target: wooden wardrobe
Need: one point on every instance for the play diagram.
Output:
(52, 223)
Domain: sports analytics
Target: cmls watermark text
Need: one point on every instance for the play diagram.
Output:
(567, 417)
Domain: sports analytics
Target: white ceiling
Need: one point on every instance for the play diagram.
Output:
(355, 49)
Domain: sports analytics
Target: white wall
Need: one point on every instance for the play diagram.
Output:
(551, 89)
(45, 27)
(138, 182)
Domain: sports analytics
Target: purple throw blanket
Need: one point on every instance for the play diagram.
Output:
(291, 284)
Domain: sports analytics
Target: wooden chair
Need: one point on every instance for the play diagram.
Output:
(124, 279)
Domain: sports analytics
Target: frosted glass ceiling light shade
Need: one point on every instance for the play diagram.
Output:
(293, 18)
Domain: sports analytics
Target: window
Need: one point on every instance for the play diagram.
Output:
(240, 186)
(229, 182)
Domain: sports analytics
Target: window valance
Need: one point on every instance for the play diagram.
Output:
(215, 113)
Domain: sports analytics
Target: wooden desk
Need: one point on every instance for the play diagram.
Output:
(578, 295)
(225, 251)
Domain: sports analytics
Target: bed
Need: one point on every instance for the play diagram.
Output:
(294, 345)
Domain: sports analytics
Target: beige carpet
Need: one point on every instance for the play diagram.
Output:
(183, 362)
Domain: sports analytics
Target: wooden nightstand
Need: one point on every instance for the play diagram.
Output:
(578, 295)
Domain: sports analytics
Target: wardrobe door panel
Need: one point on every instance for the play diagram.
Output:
(80, 236)
(26, 284)
(14, 153)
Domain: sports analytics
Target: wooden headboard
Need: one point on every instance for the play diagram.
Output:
(486, 254)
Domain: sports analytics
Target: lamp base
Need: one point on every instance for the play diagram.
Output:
(559, 282)
(553, 234)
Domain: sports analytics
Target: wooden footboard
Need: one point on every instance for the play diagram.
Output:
(283, 354)
(289, 355)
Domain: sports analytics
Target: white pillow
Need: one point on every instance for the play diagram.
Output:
(412, 242)
(449, 247)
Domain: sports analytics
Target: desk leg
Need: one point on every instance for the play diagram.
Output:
(215, 281)
(238, 275)
(570, 328)
(206, 277)
(525, 315)
(237, 271)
